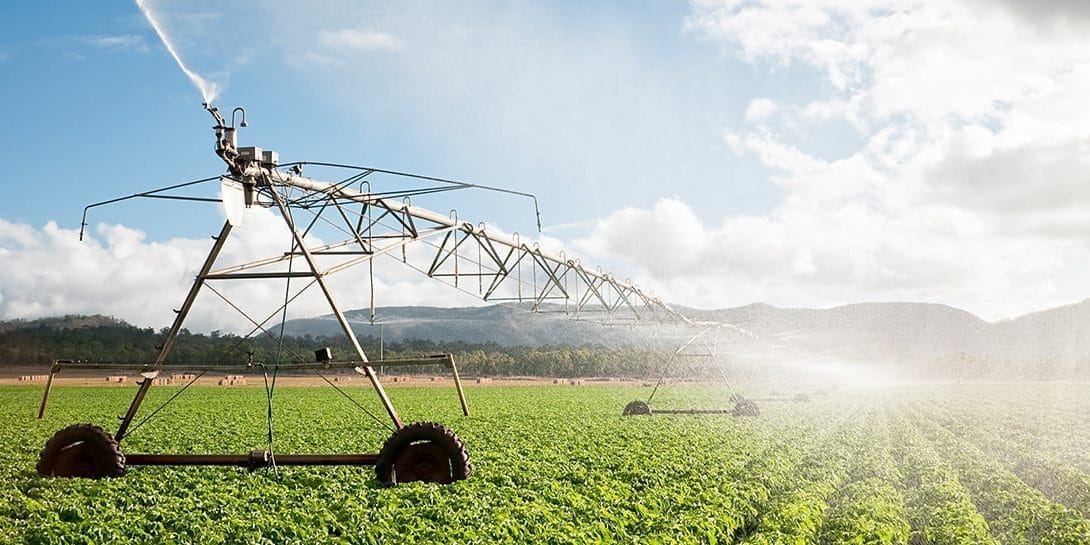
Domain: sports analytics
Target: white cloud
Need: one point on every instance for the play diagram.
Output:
(115, 271)
(1044, 12)
(969, 186)
(928, 60)
(643, 235)
(359, 40)
(133, 42)
(799, 256)
(760, 110)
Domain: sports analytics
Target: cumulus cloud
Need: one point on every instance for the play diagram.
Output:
(759, 110)
(928, 60)
(1051, 12)
(968, 185)
(642, 235)
(116, 271)
(805, 257)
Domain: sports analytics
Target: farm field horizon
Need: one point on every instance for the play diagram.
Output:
(986, 463)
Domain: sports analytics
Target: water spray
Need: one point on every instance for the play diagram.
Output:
(209, 89)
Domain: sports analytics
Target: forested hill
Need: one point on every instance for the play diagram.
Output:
(909, 340)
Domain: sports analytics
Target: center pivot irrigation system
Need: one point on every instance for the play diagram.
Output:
(364, 224)
(704, 345)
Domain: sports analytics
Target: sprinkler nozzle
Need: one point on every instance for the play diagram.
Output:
(235, 111)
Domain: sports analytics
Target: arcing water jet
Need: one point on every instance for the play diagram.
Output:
(209, 90)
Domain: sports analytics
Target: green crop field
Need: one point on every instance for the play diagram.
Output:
(922, 465)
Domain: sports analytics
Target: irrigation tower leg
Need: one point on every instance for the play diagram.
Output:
(319, 277)
(458, 385)
(175, 328)
(48, 386)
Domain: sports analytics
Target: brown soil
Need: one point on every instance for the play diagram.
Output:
(11, 376)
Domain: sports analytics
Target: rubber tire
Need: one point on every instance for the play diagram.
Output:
(427, 440)
(746, 407)
(81, 450)
(634, 408)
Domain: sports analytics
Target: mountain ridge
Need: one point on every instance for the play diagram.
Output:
(871, 331)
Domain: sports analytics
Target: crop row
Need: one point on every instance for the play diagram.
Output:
(1016, 512)
(939, 507)
(1052, 475)
(796, 514)
(728, 504)
(869, 507)
(1050, 419)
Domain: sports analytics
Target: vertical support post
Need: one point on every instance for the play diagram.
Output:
(319, 278)
(48, 386)
(458, 384)
(175, 328)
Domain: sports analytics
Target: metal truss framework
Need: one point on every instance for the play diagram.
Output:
(501, 268)
(494, 266)
(364, 225)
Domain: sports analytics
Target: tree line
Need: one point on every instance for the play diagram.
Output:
(98, 339)
(41, 343)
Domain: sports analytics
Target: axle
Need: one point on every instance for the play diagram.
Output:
(254, 460)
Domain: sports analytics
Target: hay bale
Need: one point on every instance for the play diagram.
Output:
(484, 380)
(342, 379)
(576, 382)
(116, 378)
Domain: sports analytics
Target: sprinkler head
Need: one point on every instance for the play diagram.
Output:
(236, 111)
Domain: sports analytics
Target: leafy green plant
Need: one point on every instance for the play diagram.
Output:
(559, 465)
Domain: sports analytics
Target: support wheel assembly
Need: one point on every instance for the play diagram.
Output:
(746, 407)
(81, 450)
(425, 452)
(637, 407)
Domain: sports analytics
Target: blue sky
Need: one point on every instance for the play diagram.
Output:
(720, 152)
(592, 108)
